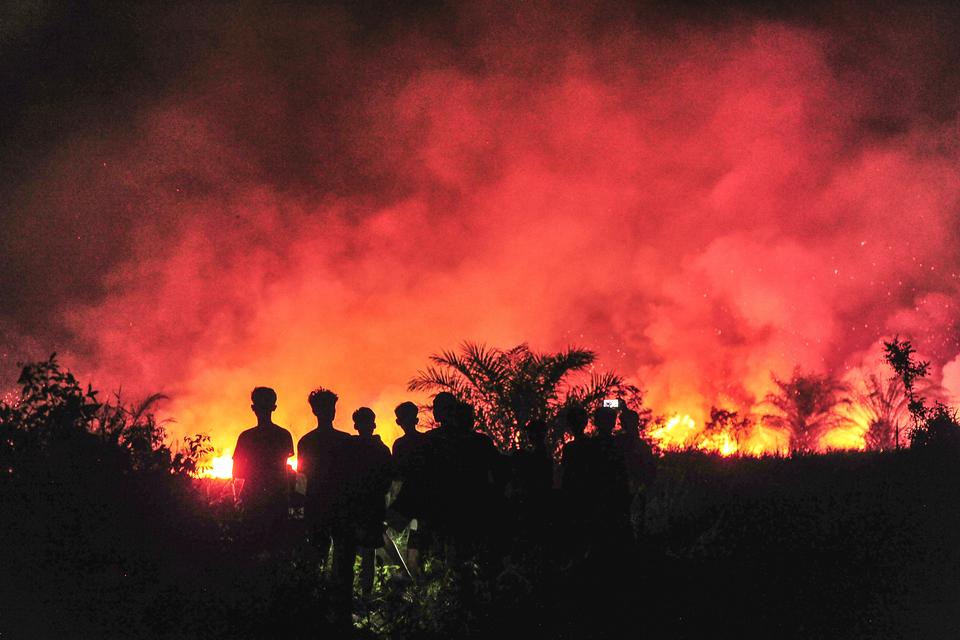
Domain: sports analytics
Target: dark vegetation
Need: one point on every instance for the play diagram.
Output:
(511, 387)
(105, 533)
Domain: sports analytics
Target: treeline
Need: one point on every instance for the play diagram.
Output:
(511, 387)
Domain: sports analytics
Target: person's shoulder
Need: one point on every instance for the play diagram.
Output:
(247, 434)
(308, 439)
(344, 437)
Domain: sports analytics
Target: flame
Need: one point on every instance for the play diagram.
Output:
(677, 432)
(681, 431)
(849, 436)
(222, 466)
(722, 443)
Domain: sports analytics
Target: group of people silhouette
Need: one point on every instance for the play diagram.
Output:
(450, 487)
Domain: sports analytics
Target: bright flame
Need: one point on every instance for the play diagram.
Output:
(222, 466)
(846, 437)
(676, 433)
(722, 443)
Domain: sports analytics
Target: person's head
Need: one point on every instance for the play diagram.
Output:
(630, 421)
(464, 416)
(264, 402)
(323, 402)
(406, 413)
(537, 432)
(443, 407)
(576, 419)
(605, 419)
(364, 421)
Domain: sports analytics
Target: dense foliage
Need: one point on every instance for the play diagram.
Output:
(511, 387)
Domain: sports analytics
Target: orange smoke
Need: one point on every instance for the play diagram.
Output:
(702, 205)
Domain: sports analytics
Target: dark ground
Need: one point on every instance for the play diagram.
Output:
(848, 545)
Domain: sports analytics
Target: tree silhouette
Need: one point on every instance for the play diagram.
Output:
(932, 425)
(732, 423)
(53, 405)
(884, 403)
(807, 406)
(511, 387)
(899, 355)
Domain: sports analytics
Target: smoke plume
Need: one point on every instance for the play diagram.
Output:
(301, 197)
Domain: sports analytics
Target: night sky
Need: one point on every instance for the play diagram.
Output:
(201, 198)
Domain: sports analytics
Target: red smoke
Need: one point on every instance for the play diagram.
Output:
(704, 205)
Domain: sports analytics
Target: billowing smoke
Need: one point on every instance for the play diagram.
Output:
(304, 198)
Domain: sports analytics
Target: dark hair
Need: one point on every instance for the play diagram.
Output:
(576, 417)
(605, 418)
(406, 409)
(465, 415)
(321, 397)
(263, 396)
(362, 412)
(446, 397)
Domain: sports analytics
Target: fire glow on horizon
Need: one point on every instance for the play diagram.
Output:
(221, 466)
(702, 204)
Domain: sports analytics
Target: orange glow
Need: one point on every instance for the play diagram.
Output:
(848, 437)
(678, 432)
(700, 222)
(681, 431)
(222, 466)
(722, 443)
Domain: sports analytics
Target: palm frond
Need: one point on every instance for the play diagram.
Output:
(558, 365)
(433, 378)
(147, 404)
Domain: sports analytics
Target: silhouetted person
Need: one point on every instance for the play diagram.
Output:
(322, 458)
(531, 485)
(260, 461)
(370, 480)
(640, 463)
(574, 479)
(533, 467)
(474, 483)
(444, 408)
(574, 457)
(638, 454)
(608, 483)
(438, 464)
(409, 460)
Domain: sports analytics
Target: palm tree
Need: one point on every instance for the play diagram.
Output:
(511, 387)
(884, 403)
(806, 407)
